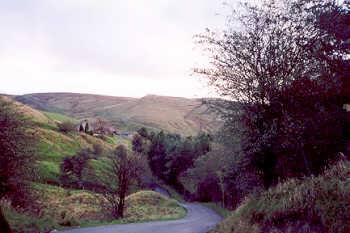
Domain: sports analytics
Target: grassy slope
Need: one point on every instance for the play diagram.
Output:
(60, 118)
(173, 114)
(218, 209)
(53, 146)
(62, 207)
(71, 208)
(317, 204)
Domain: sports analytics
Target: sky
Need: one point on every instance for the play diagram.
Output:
(110, 47)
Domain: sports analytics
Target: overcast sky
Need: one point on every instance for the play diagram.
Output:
(113, 47)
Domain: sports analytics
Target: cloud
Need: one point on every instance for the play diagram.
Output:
(125, 39)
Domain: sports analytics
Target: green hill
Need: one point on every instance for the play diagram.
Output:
(173, 114)
(313, 205)
(72, 208)
(56, 207)
(53, 145)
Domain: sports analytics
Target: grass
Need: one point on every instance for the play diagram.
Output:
(172, 192)
(58, 208)
(54, 146)
(315, 204)
(225, 213)
(59, 117)
(150, 206)
(111, 140)
(48, 171)
(25, 223)
(123, 140)
(62, 208)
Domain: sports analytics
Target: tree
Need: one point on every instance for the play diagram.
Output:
(143, 132)
(81, 128)
(279, 45)
(100, 126)
(171, 154)
(72, 168)
(157, 154)
(87, 128)
(202, 143)
(139, 143)
(16, 156)
(66, 127)
(124, 170)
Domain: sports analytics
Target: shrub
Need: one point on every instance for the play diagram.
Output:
(17, 158)
(97, 149)
(66, 127)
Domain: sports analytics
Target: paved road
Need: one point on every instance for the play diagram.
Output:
(199, 219)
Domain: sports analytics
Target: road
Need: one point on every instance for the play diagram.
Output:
(199, 219)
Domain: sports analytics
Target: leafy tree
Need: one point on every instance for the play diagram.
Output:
(72, 168)
(139, 144)
(66, 127)
(157, 154)
(143, 132)
(16, 156)
(170, 155)
(202, 143)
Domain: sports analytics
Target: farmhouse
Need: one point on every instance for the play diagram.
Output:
(97, 127)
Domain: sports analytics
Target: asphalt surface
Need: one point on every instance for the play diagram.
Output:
(199, 219)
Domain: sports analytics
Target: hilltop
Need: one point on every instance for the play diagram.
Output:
(174, 114)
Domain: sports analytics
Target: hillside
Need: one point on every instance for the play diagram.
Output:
(313, 205)
(173, 114)
(53, 145)
(57, 206)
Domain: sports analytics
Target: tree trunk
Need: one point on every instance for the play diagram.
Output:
(4, 226)
(306, 163)
(121, 207)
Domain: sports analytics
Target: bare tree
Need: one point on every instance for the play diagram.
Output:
(124, 170)
(100, 126)
(276, 47)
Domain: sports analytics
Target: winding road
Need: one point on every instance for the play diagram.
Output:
(199, 219)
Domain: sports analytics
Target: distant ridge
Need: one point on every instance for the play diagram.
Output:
(174, 114)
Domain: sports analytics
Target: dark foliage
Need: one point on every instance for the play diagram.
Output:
(285, 67)
(16, 157)
(66, 127)
(140, 144)
(170, 155)
(72, 169)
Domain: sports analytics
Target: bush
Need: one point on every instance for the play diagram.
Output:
(17, 156)
(67, 221)
(66, 127)
(97, 149)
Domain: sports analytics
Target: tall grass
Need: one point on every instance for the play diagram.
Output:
(315, 204)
